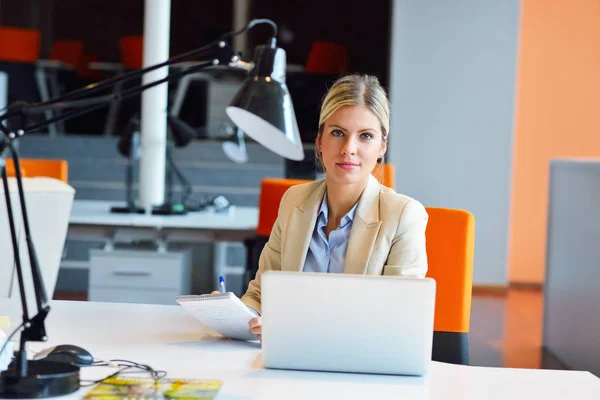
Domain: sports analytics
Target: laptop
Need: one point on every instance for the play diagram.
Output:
(347, 323)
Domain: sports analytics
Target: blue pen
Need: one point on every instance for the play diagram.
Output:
(222, 284)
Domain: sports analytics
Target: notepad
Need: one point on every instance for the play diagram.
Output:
(223, 312)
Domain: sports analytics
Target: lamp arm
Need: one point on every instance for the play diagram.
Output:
(95, 103)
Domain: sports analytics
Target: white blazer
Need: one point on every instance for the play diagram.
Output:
(387, 236)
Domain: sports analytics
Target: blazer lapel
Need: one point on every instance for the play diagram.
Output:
(365, 229)
(299, 231)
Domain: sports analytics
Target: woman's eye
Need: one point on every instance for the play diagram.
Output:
(337, 132)
(367, 136)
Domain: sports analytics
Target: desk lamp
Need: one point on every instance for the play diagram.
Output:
(262, 109)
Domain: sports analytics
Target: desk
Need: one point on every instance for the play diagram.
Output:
(92, 220)
(167, 337)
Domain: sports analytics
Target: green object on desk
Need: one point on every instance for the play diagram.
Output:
(144, 388)
(4, 322)
(178, 207)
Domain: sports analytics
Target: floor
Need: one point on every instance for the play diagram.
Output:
(506, 330)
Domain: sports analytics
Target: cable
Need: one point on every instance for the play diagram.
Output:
(124, 366)
(251, 25)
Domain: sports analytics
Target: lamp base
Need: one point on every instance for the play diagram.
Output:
(127, 210)
(165, 209)
(44, 379)
(170, 209)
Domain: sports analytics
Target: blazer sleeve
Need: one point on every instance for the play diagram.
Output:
(270, 260)
(408, 255)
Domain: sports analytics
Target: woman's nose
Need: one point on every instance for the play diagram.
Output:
(349, 147)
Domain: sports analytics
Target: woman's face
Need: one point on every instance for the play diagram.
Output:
(351, 143)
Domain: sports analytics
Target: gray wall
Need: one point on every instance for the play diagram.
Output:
(453, 77)
(571, 296)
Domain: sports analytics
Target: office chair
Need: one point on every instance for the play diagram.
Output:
(450, 244)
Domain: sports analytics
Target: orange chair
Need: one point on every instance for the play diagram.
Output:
(58, 169)
(19, 44)
(386, 175)
(450, 240)
(271, 192)
(327, 58)
(67, 51)
(10, 170)
(132, 51)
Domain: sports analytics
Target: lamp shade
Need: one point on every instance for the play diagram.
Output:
(263, 108)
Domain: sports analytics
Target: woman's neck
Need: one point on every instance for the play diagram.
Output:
(340, 200)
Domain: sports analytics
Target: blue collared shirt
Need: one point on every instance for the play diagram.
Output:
(329, 254)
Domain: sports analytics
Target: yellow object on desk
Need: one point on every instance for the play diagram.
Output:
(4, 322)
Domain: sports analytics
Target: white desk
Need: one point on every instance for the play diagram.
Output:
(92, 220)
(168, 338)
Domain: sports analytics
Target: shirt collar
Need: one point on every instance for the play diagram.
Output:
(324, 213)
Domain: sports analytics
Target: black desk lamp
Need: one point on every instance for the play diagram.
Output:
(262, 108)
(129, 146)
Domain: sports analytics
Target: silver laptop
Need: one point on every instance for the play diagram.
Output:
(347, 323)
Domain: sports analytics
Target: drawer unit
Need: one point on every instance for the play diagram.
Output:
(136, 276)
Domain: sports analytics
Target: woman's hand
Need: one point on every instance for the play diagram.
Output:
(256, 327)
(255, 323)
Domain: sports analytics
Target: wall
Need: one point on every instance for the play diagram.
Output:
(557, 115)
(453, 72)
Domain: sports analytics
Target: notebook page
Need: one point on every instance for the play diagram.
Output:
(224, 313)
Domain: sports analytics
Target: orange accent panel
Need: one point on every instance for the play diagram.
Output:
(450, 239)
(19, 45)
(557, 97)
(38, 167)
(132, 51)
(271, 192)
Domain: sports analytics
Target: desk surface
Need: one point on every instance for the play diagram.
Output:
(97, 212)
(168, 338)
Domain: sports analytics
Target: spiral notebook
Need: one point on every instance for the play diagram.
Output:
(224, 313)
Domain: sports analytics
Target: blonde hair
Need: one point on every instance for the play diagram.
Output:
(356, 90)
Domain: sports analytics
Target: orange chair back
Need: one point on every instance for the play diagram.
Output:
(132, 51)
(10, 170)
(271, 192)
(19, 45)
(327, 58)
(67, 51)
(450, 239)
(58, 169)
(386, 175)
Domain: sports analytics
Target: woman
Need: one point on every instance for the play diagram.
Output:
(348, 223)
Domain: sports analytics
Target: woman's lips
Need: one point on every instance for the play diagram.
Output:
(347, 165)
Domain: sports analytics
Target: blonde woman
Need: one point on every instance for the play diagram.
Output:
(348, 222)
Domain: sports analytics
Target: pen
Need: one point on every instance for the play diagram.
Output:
(222, 284)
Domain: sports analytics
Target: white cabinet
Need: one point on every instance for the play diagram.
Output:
(135, 276)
